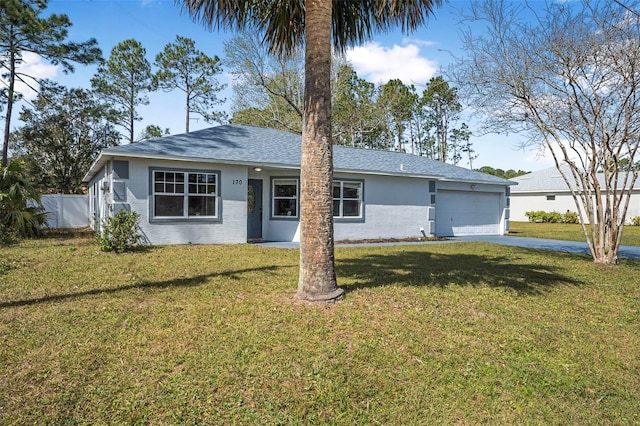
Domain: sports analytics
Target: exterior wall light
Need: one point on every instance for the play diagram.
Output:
(257, 169)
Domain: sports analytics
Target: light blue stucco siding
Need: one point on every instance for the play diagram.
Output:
(393, 207)
(228, 227)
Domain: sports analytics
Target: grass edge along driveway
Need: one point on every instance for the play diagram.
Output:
(566, 232)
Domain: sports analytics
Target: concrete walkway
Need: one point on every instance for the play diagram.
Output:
(625, 252)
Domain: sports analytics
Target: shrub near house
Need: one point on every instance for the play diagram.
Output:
(119, 233)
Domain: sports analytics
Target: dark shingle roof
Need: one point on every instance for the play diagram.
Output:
(269, 147)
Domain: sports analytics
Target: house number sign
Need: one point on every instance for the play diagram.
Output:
(237, 182)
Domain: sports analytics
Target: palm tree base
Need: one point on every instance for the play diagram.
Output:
(332, 297)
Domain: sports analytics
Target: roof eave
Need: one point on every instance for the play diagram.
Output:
(483, 182)
(383, 173)
(95, 167)
(107, 155)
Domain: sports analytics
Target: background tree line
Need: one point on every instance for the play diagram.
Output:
(391, 116)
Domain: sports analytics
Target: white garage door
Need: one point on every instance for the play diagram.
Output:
(467, 213)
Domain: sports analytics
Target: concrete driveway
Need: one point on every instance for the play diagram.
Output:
(626, 252)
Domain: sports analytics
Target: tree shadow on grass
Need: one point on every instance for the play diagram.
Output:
(67, 233)
(66, 237)
(419, 268)
(179, 282)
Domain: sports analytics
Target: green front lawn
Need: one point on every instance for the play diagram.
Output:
(566, 231)
(456, 333)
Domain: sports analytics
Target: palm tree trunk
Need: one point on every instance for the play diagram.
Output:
(317, 280)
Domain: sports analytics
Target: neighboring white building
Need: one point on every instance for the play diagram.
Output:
(546, 190)
(233, 183)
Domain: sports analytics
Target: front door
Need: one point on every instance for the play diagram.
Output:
(254, 209)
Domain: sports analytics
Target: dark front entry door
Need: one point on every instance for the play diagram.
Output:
(254, 209)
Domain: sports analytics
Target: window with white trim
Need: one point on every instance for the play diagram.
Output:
(185, 194)
(347, 199)
(284, 197)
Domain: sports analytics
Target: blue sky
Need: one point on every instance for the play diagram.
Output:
(413, 58)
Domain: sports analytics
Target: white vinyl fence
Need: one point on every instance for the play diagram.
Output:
(66, 210)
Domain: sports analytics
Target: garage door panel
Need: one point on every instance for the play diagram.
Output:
(467, 213)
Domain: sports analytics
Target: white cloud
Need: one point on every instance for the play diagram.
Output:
(33, 66)
(380, 64)
(417, 41)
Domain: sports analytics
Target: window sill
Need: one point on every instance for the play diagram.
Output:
(359, 219)
(285, 218)
(192, 219)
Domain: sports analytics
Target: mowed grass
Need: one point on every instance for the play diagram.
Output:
(450, 333)
(566, 231)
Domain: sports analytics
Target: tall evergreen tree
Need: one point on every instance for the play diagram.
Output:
(460, 145)
(124, 82)
(357, 120)
(153, 131)
(442, 108)
(183, 67)
(397, 101)
(22, 29)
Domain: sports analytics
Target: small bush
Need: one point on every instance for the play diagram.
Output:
(535, 216)
(542, 216)
(119, 233)
(571, 217)
(635, 221)
(552, 217)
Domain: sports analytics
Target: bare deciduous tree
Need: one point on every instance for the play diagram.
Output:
(568, 76)
(271, 86)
